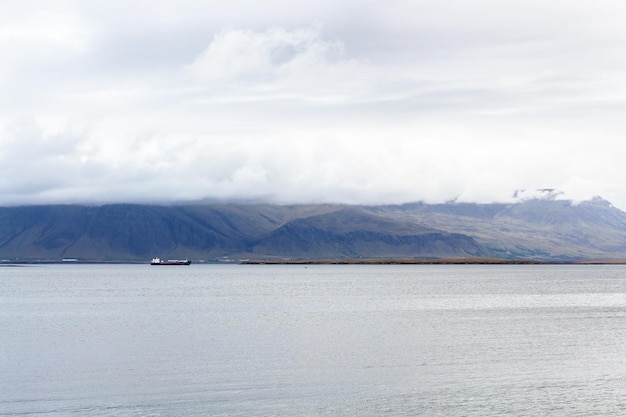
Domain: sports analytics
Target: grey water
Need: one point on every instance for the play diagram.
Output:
(243, 340)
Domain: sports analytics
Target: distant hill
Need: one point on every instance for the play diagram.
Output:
(543, 229)
(537, 229)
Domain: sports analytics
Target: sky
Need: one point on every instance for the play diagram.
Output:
(358, 102)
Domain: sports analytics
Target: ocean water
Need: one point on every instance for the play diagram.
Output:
(243, 340)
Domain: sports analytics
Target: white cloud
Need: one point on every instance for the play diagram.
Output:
(47, 28)
(239, 54)
(311, 101)
(277, 64)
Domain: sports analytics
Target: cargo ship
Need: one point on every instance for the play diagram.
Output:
(157, 261)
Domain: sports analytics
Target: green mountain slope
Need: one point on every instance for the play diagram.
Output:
(353, 233)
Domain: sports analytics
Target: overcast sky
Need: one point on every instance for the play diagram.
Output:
(311, 101)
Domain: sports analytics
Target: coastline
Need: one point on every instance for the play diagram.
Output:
(443, 261)
(347, 261)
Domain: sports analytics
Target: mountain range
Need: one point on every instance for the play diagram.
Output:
(547, 229)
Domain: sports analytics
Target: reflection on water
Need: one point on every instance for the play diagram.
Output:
(131, 340)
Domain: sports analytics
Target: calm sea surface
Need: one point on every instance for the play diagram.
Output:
(235, 340)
